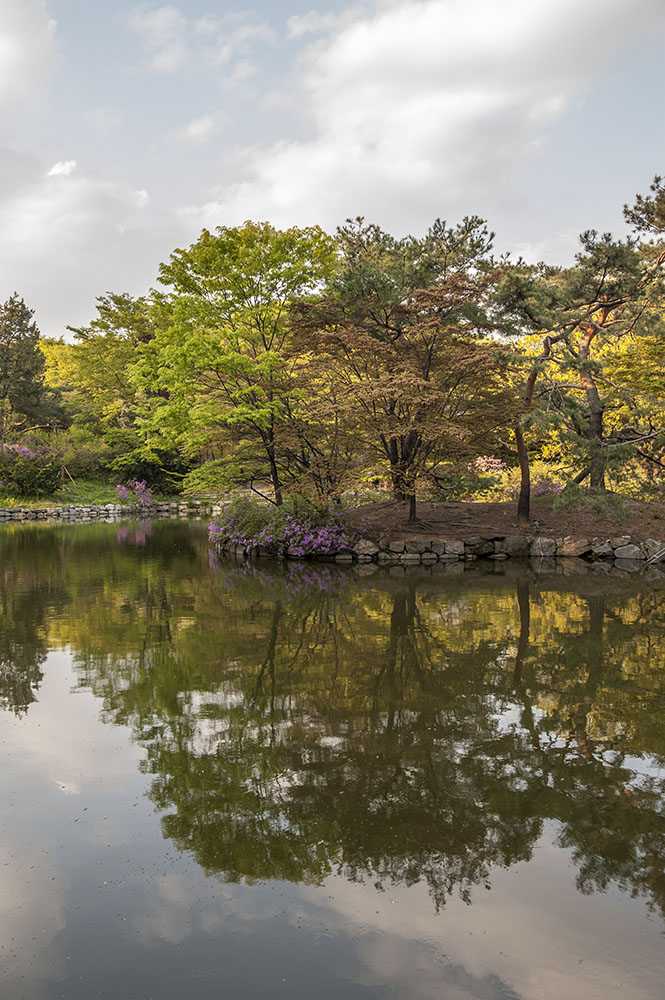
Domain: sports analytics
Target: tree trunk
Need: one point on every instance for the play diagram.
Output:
(595, 431)
(524, 604)
(396, 472)
(274, 472)
(594, 661)
(412, 507)
(524, 500)
(580, 477)
(596, 440)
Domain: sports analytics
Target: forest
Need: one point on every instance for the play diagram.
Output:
(300, 364)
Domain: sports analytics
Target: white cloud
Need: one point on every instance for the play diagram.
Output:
(27, 49)
(427, 107)
(222, 44)
(140, 198)
(197, 131)
(71, 236)
(63, 168)
(102, 119)
(316, 23)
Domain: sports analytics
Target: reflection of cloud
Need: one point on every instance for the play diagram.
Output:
(183, 912)
(67, 787)
(63, 740)
(32, 894)
(533, 937)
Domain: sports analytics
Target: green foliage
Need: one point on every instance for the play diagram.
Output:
(292, 361)
(132, 459)
(24, 473)
(93, 374)
(401, 340)
(82, 452)
(22, 390)
(461, 481)
(575, 499)
(614, 293)
(217, 366)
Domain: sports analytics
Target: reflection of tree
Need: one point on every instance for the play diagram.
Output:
(78, 585)
(611, 817)
(360, 731)
(28, 586)
(297, 722)
(22, 648)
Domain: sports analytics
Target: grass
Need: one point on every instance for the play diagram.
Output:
(83, 492)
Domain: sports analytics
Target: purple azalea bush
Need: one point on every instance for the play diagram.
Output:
(135, 492)
(543, 487)
(546, 487)
(279, 531)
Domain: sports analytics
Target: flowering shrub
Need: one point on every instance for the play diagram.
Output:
(486, 465)
(136, 492)
(28, 473)
(546, 487)
(279, 530)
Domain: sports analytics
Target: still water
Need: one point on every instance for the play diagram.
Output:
(223, 781)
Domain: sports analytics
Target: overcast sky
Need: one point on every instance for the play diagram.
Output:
(125, 129)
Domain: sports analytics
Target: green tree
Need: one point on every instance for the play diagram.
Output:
(93, 376)
(22, 389)
(220, 361)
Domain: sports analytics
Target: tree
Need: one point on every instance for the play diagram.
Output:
(613, 291)
(220, 360)
(402, 339)
(100, 389)
(102, 402)
(22, 389)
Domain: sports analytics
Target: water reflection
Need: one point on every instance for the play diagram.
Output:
(299, 722)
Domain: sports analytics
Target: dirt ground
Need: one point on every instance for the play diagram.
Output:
(387, 521)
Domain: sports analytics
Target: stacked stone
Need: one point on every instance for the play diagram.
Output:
(107, 512)
(618, 551)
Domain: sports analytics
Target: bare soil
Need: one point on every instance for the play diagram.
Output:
(387, 521)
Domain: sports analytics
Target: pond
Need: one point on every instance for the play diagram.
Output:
(256, 781)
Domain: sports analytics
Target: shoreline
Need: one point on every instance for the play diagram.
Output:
(618, 550)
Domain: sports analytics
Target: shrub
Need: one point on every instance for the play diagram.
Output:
(136, 492)
(301, 532)
(574, 499)
(27, 473)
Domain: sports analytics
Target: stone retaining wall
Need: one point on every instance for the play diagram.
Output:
(107, 512)
(619, 550)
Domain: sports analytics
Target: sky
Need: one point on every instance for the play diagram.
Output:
(126, 128)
